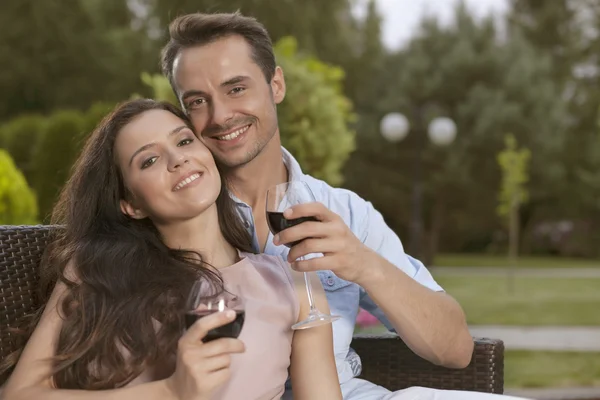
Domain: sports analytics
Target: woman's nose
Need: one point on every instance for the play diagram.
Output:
(177, 161)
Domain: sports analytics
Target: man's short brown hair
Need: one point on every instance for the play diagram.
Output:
(199, 29)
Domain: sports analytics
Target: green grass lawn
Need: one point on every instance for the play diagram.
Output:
(537, 369)
(485, 260)
(535, 301)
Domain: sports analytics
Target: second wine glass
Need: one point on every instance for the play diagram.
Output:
(206, 298)
(279, 198)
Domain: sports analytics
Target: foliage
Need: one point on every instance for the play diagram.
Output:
(488, 87)
(314, 117)
(54, 155)
(567, 31)
(17, 201)
(92, 118)
(514, 165)
(19, 138)
(69, 54)
(537, 79)
(160, 87)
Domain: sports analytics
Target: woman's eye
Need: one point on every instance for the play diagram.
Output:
(185, 142)
(149, 162)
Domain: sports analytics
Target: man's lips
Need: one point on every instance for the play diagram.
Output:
(232, 134)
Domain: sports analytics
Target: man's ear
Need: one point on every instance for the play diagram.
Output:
(278, 85)
(130, 210)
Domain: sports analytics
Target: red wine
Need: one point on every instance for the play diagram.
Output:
(231, 330)
(277, 222)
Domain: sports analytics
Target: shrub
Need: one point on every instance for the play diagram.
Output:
(17, 200)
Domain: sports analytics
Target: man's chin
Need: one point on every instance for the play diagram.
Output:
(231, 163)
(237, 158)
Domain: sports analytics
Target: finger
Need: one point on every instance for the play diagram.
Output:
(219, 377)
(302, 231)
(202, 326)
(314, 209)
(222, 346)
(314, 264)
(313, 246)
(216, 363)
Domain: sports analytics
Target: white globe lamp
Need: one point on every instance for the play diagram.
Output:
(394, 127)
(442, 131)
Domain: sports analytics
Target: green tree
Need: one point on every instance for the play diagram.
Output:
(159, 87)
(488, 87)
(514, 164)
(565, 31)
(69, 54)
(314, 117)
(54, 155)
(364, 84)
(553, 27)
(17, 201)
(20, 137)
(91, 119)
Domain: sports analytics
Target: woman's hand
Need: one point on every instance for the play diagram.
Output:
(203, 367)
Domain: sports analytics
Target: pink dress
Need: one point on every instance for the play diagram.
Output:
(271, 304)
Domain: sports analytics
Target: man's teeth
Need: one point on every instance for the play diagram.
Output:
(233, 135)
(186, 181)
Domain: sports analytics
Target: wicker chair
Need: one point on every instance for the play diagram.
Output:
(386, 359)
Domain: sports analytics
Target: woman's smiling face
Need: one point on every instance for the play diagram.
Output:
(169, 174)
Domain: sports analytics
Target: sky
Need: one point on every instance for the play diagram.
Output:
(402, 17)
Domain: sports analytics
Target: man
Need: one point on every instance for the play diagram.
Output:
(223, 70)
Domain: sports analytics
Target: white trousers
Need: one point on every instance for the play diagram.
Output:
(359, 389)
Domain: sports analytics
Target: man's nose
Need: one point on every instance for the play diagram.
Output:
(221, 112)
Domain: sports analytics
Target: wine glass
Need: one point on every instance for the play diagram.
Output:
(206, 298)
(279, 198)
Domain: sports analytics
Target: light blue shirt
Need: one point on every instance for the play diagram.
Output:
(345, 297)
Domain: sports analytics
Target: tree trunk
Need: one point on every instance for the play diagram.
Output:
(513, 241)
(437, 219)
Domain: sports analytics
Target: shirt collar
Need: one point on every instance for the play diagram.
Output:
(294, 171)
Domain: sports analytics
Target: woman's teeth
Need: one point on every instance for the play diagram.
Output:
(187, 180)
(233, 135)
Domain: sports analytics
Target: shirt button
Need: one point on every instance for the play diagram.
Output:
(330, 282)
(247, 224)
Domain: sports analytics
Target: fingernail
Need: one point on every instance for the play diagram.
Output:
(288, 213)
(276, 239)
(230, 313)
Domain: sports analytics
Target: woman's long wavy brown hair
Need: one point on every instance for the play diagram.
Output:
(125, 276)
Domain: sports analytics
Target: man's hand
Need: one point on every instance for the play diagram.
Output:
(344, 253)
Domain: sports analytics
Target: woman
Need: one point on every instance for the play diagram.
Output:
(145, 215)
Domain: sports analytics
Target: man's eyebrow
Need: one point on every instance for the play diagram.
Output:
(149, 145)
(193, 92)
(235, 80)
(229, 82)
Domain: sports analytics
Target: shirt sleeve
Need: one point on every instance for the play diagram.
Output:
(374, 232)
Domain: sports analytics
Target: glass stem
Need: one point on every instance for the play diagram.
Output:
(311, 301)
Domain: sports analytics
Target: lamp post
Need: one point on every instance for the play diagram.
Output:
(442, 132)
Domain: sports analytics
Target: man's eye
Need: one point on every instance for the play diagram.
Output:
(149, 162)
(185, 142)
(196, 103)
(237, 90)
